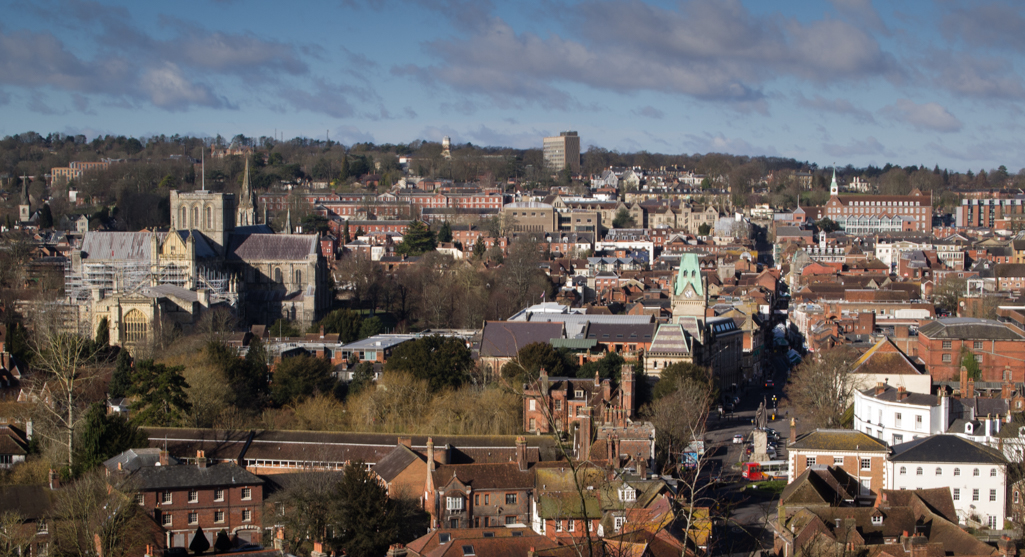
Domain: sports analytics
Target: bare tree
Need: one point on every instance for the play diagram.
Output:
(362, 277)
(63, 356)
(15, 535)
(91, 515)
(303, 508)
(822, 388)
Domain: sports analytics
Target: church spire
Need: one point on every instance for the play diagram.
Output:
(834, 189)
(246, 213)
(288, 221)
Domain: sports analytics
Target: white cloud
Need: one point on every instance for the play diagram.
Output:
(169, 88)
(928, 116)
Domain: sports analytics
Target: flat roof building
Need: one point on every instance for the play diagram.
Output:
(562, 151)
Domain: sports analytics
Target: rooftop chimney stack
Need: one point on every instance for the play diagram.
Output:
(521, 453)
(430, 454)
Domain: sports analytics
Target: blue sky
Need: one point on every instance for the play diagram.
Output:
(841, 81)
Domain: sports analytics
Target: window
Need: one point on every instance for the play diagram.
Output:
(510, 498)
(165, 519)
(975, 494)
(978, 358)
(957, 494)
(135, 326)
(193, 496)
(558, 405)
(918, 471)
(975, 472)
(468, 550)
(866, 464)
(42, 527)
(946, 358)
(454, 503)
(209, 218)
(992, 521)
(218, 495)
(918, 422)
(809, 461)
(247, 493)
(897, 439)
(140, 498)
(533, 425)
(558, 526)
(579, 393)
(897, 419)
(903, 470)
(992, 495)
(957, 471)
(620, 520)
(247, 515)
(298, 276)
(1017, 498)
(533, 405)
(946, 345)
(218, 516)
(977, 345)
(939, 471)
(572, 525)
(512, 520)
(165, 498)
(487, 499)
(476, 499)
(992, 472)
(193, 518)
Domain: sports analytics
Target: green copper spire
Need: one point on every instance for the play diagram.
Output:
(690, 273)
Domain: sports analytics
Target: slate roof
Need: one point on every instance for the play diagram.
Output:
(12, 441)
(272, 247)
(947, 449)
(820, 485)
(504, 339)
(389, 467)
(968, 328)
(620, 332)
(134, 459)
(936, 499)
(670, 339)
(490, 542)
(187, 475)
(117, 245)
(890, 394)
(839, 440)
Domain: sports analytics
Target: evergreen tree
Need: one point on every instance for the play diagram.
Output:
(362, 377)
(45, 217)
(369, 517)
(162, 399)
(346, 238)
(103, 334)
(417, 240)
(121, 380)
(246, 378)
(105, 435)
(298, 378)
(371, 327)
(479, 249)
(343, 174)
(445, 234)
(441, 361)
(359, 232)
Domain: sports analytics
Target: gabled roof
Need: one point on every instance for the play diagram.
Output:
(820, 485)
(670, 339)
(947, 449)
(32, 502)
(885, 358)
(504, 339)
(395, 462)
(506, 475)
(273, 247)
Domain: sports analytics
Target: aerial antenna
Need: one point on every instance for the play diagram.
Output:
(203, 165)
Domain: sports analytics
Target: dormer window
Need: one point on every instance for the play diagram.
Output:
(454, 503)
(579, 393)
(877, 520)
(627, 493)
(968, 428)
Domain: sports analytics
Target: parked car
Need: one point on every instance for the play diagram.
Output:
(738, 439)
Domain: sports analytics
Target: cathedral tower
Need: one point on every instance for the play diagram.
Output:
(690, 290)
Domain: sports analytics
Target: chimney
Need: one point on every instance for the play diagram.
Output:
(55, 481)
(28, 430)
(521, 453)
(627, 377)
(532, 552)
(201, 459)
(971, 388)
(1006, 390)
(964, 382)
(902, 393)
(430, 454)
(989, 426)
(642, 466)
(164, 457)
(149, 551)
(597, 381)
(1006, 547)
(318, 550)
(544, 382)
(880, 388)
(396, 550)
(321, 331)
(584, 434)
(793, 432)
(406, 442)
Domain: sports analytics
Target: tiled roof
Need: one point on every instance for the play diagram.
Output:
(839, 440)
(504, 339)
(485, 476)
(389, 467)
(32, 502)
(891, 394)
(948, 449)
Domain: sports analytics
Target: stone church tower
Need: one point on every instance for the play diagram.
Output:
(690, 290)
(246, 214)
(210, 213)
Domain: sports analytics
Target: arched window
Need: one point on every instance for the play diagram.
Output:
(135, 326)
(209, 218)
(903, 470)
(194, 223)
(277, 275)
(975, 472)
(298, 277)
(939, 471)
(957, 471)
(183, 220)
(918, 471)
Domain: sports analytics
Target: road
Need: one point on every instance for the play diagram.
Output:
(746, 528)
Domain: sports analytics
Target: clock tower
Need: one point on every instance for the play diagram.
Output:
(690, 292)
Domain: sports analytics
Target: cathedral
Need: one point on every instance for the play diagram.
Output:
(214, 255)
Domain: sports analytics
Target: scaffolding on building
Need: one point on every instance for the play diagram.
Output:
(131, 277)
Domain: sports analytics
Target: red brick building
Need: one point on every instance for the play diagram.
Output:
(862, 456)
(995, 346)
(184, 497)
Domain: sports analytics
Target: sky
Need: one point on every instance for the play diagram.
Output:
(922, 82)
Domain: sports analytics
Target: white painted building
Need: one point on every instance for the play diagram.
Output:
(896, 415)
(975, 474)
